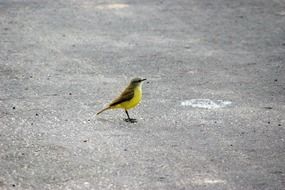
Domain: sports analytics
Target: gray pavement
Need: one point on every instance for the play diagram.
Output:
(212, 115)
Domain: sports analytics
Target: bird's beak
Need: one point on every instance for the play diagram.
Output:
(143, 80)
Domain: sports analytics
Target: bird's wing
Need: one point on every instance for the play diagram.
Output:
(126, 95)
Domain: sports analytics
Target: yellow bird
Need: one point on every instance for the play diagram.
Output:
(128, 99)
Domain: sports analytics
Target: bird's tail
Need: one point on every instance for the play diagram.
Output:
(103, 110)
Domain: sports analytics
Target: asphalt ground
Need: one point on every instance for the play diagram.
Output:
(213, 111)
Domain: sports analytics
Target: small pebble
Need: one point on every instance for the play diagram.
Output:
(275, 80)
(279, 124)
(37, 114)
(268, 122)
(70, 93)
(14, 107)
(85, 141)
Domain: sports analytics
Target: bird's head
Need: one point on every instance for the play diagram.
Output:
(137, 81)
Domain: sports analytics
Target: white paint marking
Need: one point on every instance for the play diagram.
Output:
(112, 6)
(206, 103)
(206, 181)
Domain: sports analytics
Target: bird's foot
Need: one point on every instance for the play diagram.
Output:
(130, 120)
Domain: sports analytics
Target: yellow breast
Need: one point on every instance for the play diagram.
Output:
(135, 100)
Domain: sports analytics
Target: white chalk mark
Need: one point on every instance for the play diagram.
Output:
(205, 181)
(206, 103)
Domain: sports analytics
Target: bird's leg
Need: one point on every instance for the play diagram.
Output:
(129, 119)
